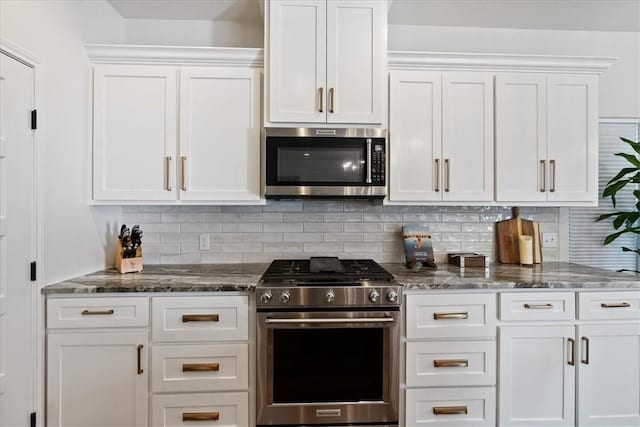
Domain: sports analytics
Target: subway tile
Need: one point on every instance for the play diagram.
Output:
(362, 206)
(383, 237)
(160, 228)
(241, 208)
(363, 226)
(343, 217)
(487, 237)
(222, 258)
(225, 237)
(324, 247)
(383, 217)
(241, 247)
(245, 227)
(151, 259)
(303, 217)
(178, 237)
(448, 247)
(136, 218)
(343, 237)
(445, 227)
(262, 237)
(283, 206)
(201, 227)
(392, 247)
(262, 217)
(222, 217)
(275, 227)
(130, 209)
(364, 247)
(393, 227)
(402, 208)
(151, 238)
(194, 248)
(322, 206)
(314, 227)
(460, 237)
(387, 257)
(258, 257)
(181, 217)
(283, 247)
(303, 237)
(161, 248)
(459, 217)
(479, 227)
(181, 259)
(422, 217)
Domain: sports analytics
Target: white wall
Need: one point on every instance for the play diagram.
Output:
(55, 32)
(193, 33)
(619, 85)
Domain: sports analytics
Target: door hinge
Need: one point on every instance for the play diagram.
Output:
(33, 419)
(34, 119)
(33, 273)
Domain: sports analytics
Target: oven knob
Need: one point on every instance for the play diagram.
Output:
(329, 296)
(285, 297)
(374, 296)
(266, 297)
(392, 296)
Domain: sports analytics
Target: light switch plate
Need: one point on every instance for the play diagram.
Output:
(204, 242)
(549, 240)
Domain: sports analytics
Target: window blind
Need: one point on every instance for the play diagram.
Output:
(585, 235)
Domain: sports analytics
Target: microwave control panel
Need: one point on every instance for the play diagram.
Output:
(377, 164)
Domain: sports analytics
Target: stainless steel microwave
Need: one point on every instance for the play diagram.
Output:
(309, 162)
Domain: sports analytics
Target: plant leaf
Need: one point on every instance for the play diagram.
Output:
(625, 249)
(611, 237)
(633, 144)
(632, 217)
(622, 173)
(630, 158)
(605, 216)
(617, 223)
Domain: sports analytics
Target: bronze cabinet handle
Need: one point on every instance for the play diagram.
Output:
(437, 175)
(320, 100)
(616, 305)
(544, 176)
(447, 168)
(451, 363)
(97, 312)
(200, 318)
(200, 416)
(331, 94)
(572, 361)
(460, 315)
(539, 306)
(450, 410)
(140, 370)
(552, 165)
(184, 166)
(200, 367)
(585, 360)
(168, 173)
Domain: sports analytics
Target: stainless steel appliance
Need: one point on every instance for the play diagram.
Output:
(305, 162)
(328, 343)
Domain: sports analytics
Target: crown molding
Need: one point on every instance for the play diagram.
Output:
(400, 60)
(174, 55)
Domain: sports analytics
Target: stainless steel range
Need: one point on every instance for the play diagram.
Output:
(328, 343)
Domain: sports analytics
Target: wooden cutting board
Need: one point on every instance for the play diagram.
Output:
(508, 232)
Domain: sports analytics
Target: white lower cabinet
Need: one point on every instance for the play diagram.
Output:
(537, 375)
(204, 409)
(451, 407)
(97, 379)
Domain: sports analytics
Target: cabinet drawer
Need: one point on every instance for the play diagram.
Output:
(453, 315)
(609, 305)
(537, 306)
(451, 363)
(216, 318)
(208, 409)
(451, 407)
(97, 312)
(199, 368)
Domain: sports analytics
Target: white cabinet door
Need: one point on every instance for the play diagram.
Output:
(355, 60)
(521, 137)
(415, 128)
(297, 61)
(220, 134)
(536, 383)
(609, 375)
(572, 143)
(467, 136)
(97, 379)
(134, 132)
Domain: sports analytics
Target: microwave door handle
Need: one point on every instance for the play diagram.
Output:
(368, 161)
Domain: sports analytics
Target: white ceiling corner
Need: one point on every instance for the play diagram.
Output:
(196, 10)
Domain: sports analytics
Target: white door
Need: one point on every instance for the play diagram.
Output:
(536, 383)
(415, 136)
(609, 375)
(97, 379)
(17, 243)
(134, 132)
(467, 136)
(521, 137)
(220, 134)
(572, 141)
(297, 61)
(355, 60)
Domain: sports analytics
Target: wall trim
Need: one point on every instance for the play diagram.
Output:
(174, 55)
(497, 62)
(631, 120)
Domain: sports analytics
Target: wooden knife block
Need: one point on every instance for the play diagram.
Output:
(128, 265)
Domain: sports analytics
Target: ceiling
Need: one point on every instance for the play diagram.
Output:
(594, 15)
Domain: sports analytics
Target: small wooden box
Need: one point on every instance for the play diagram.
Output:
(468, 259)
(128, 265)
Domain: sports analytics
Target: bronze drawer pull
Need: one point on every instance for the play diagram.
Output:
(200, 318)
(450, 410)
(200, 416)
(539, 306)
(461, 315)
(451, 363)
(572, 361)
(543, 163)
(585, 340)
(320, 99)
(331, 95)
(618, 305)
(97, 312)
(437, 188)
(200, 367)
(140, 370)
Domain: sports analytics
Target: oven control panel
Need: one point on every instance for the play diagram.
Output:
(362, 296)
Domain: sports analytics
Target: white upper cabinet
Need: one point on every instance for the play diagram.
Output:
(546, 138)
(326, 61)
(219, 134)
(441, 136)
(134, 132)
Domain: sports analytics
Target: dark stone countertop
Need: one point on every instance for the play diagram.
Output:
(244, 277)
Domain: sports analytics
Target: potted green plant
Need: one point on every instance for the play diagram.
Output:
(625, 221)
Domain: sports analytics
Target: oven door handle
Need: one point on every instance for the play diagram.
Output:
(368, 161)
(269, 320)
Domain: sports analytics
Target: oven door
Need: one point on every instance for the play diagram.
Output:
(328, 367)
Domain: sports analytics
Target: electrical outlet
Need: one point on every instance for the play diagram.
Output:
(550, 240)
(204, 242)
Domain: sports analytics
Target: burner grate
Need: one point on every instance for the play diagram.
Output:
(300, 269)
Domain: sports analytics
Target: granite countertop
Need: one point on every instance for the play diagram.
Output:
(244, 277)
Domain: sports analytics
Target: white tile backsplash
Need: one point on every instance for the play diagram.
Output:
(287, 229)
